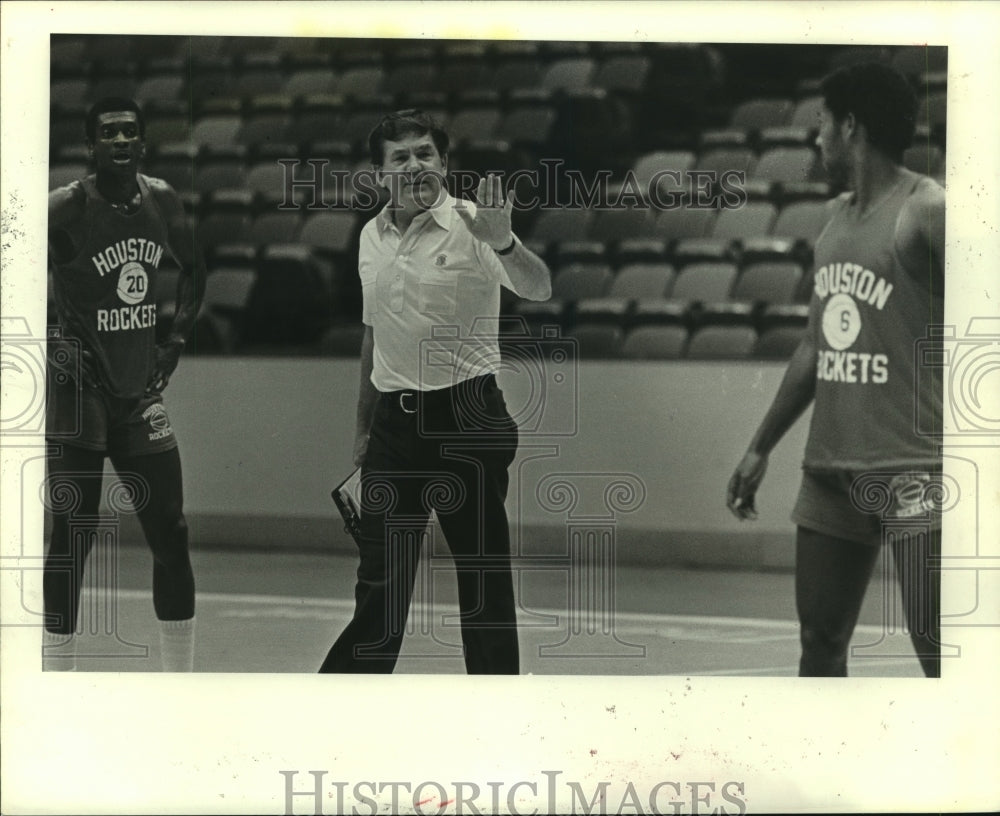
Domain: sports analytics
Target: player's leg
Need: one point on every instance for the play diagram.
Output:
(141, 441)
(831, 577)
(917, 560)
(74, 494)
(165, 528)
(393, 523)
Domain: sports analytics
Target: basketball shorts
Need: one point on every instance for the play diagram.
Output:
(856, 505)
(88, 417)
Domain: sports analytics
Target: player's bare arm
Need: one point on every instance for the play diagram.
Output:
(920, 235)
(190, 285)
(367, 397)
(797, 389)
(491, 223)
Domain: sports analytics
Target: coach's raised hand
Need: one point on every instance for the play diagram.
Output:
(491, 222)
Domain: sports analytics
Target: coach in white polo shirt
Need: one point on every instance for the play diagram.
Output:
(433, 431)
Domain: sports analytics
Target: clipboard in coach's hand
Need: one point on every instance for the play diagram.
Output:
(346, 496)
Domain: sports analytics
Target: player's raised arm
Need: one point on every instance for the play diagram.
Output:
(190, 285)
(797, 389)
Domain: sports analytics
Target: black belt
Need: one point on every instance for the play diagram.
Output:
(410, 401)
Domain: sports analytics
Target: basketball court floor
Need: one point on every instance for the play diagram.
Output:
(280, 611)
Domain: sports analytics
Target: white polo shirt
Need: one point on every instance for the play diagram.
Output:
(432, 298)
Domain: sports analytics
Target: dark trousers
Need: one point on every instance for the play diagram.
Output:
(446, 451)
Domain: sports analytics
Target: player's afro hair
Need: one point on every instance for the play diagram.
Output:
(880, 98)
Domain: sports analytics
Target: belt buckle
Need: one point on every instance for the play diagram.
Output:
(402, 405)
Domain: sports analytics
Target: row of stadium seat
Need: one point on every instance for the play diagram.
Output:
(757, 124)
(113, 55)
(216, 334)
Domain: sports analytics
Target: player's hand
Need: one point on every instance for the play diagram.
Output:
(167, 356)
(491, 223)
(742, 489)
(360, 449)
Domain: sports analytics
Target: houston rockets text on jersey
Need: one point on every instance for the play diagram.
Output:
(866, 316)
(105, 294)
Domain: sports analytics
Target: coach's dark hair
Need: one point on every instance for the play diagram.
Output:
(113, 104)
(880, 98)
(410, 122)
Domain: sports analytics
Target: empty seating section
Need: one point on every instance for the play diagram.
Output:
(707, 255)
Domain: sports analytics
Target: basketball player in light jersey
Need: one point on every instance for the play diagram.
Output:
(878, 285)
(109, 234)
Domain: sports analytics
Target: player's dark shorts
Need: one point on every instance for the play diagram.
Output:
(855, 505)
(87, 417)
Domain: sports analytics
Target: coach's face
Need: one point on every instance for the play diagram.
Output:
(118, 145)
(413, 171)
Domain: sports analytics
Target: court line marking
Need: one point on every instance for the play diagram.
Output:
(630, 619)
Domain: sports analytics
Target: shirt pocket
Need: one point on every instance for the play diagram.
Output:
(438, 292)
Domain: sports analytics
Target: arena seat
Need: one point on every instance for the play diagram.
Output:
(570, 74)
(643, 280)
(640, 250)
(161, 87)
(786, 164)
(216, 130)
(721, 160)
(754, 218)
(685, 222)
(564, 253)
(623, 73)
(801, 219)
(652, 165)
(215, 175)
(617, 225)
(721, 343)
(611, 311)
(361, 81)
(332, 233)
(655, 343)
(567, 223)
(705, 282)
(581, 281)
(308, 81)
(771, 282)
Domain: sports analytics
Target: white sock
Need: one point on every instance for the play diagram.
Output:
(177, 645)
(58, 651)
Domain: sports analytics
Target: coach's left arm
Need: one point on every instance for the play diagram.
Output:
(190, 286)
(490, 222)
